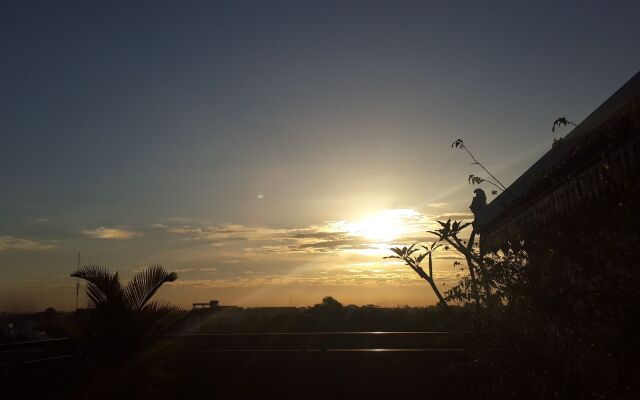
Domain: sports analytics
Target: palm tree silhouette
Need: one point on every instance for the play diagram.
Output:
(122, 319)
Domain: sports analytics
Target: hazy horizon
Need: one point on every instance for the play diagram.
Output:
(272, 153)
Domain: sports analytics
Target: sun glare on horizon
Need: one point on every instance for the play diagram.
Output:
(384, 226)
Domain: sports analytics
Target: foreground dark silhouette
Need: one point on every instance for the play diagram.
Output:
(120, 320)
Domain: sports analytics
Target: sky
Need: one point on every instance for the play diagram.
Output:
(272, 152)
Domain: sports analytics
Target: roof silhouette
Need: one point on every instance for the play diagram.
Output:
(617, 104)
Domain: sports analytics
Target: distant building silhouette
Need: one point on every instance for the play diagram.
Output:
(212, 306)
(596, 161)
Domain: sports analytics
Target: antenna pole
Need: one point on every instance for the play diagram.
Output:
(78, 282)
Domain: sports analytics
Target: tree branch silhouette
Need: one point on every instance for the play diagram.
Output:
(406, 254)
(459, 144)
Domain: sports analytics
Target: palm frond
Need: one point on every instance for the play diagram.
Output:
(102, 286)
(159, 307)
(145, 284)
(152, 318)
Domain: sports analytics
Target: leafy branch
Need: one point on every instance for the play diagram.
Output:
(449, 232)
(459, 144)
(561, 121)
(406, 254)
(476, 180)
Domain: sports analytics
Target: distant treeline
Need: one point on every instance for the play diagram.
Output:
(327, 316)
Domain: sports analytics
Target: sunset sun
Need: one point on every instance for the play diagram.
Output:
(383, 226)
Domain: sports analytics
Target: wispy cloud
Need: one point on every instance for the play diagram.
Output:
(363, 274)
(268, 240)
(158, 226)
(369, 234)
(110, 233)
(460, 216)
(183, 220)
(194, 269)
(185, 270)
(326, 237)
(16, 243)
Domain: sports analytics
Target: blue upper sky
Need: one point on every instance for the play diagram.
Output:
(119, 116)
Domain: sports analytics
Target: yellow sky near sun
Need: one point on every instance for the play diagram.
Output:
(262, 265)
